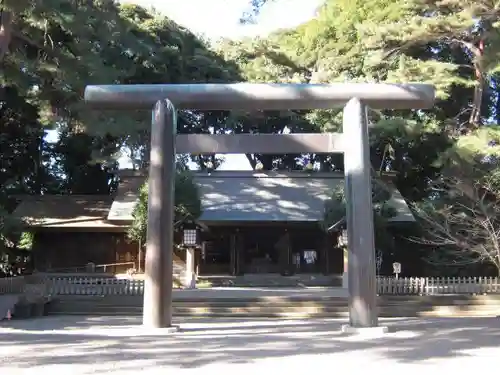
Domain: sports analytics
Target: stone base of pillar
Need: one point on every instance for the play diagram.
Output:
(371, 331)
(149, 331)
(190, 281)
(345, 281)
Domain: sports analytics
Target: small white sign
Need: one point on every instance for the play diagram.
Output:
(396, 267)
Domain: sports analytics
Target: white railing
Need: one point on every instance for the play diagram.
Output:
(12, 285)
(437, 285)
(94, 286)
(99, 286)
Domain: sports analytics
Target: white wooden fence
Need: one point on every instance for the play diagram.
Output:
(385, 286)
(98, 286)
(94, 286)
(437, 285)
(12, 285)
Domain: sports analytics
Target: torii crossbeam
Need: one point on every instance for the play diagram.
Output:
(353, 142)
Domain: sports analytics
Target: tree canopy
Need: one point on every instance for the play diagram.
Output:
(187, 204)
(50, 50)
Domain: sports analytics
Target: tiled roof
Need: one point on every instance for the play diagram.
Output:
(255, 196)
(225, 196)
(76, 211)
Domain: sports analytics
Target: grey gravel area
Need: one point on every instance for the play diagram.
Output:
(112, 345)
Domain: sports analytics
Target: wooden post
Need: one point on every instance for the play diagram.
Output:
(139, 257)
(232, 254)
(190, 264)
(157, 312)
(361, 243)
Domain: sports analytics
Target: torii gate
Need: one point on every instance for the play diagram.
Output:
(353, 142)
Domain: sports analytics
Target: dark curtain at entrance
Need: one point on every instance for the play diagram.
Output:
(237, 254)
(240, 254)
(285, 255)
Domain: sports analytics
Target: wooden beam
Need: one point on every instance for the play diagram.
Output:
(264, 96)
(259, 143)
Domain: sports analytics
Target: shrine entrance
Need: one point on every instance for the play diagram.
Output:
(353, 142)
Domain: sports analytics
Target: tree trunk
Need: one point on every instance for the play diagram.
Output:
(267, 162)
(251, 160)
(6, 19)
(475, 116)
(477, 101)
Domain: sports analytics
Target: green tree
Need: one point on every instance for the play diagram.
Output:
(449, 44)
(187, 204)
(86, 164)
(335, 213)
(22, 164)
(50, 50)
(461, 222)
(459, 27)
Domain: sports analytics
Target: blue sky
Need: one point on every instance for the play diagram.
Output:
(220, 18)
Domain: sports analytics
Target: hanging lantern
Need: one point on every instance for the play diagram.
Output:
(190, 237)
(190, 234)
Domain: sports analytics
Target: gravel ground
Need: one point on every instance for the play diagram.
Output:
(112, 345)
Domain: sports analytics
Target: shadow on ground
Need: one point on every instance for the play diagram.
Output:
(108, 341)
